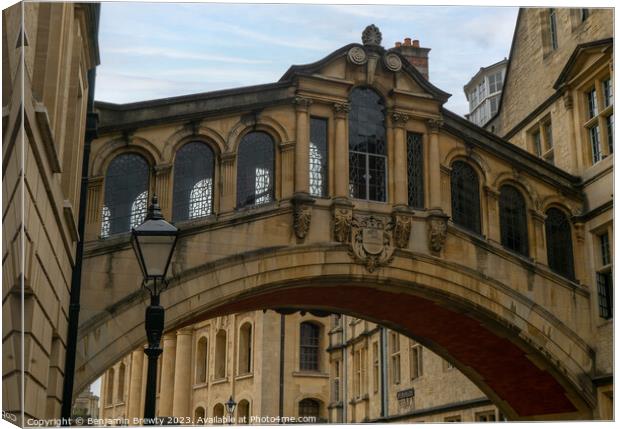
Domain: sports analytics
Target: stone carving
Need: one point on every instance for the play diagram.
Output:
(402, 230)
(357, 55)
(437, 232)
(342, 225)
(372, 241)
(399, 119)
(392, 62)
(302, 215)
(342, 108)
(302, 103)
(434, 125)
(568, 100)
(371, 36)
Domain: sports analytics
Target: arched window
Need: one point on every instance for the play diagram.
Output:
(199, 413)
(126, 194)
(202, 360)
(367, 148)
(559, 243)
(218, 413)
(193, 182)
(513, 219)
(309, 408)
(243, 412)
(245, 348)
(309, 346)
(110, 387)
(465, 196)
(220, 354)
(255, 169)
(121, 383)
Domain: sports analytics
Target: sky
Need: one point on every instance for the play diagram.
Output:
(158, 50)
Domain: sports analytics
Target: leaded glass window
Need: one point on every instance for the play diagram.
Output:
(193, 182)
(513, 219)
(604, 281)
(553, 29)
(309, 408)
(126, 194)
(255, 169)
(367, 147)
(309, 347)
(465, 190)
(595, 142)
(559, 243)
(318, 157)
(415, 170)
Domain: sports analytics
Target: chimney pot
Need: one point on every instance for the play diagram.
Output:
(415, 43)
(407, 41)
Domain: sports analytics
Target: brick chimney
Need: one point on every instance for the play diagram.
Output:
(417, 56)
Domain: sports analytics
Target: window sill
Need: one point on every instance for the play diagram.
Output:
(310, 374)
(244, 376)
(200, 385)
(219, 381)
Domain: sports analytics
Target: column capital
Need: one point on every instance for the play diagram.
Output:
(434, 125)
(302, 103)
(341, 109)
(399, 119)
(160, 169)
(228, 157)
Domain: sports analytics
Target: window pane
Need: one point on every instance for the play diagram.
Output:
(377, 178)
(608, 94)
(357, 175)
(559, 243)
(548, 135)
(604, 282)
(465, 196)
(553, 29)
(255, 169)
(605, 254)
(193, 182)
(592, 103)
(415, 170)
(537, 143)
(595, 142)
(309, 347)
(126, 194)
(318, 157)
(610, 133)
(513, 220)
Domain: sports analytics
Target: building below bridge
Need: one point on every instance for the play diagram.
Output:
(333, 369)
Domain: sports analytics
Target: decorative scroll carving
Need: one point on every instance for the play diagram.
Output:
(302, 215)
(437, 232)
(342, 224)
(357, 55)
(392, 62)
(371, 36)
(302, 103)
(372, 241)
(402, 230)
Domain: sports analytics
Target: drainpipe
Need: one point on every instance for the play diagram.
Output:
(281, 399)
(345, 373)
(384, 385)
(76, 276)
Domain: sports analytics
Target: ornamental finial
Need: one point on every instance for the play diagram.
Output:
(371, 36)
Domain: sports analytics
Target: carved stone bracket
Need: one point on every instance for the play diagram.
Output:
(402, 228)
(302, 214)
(437, 227)
(372, 241)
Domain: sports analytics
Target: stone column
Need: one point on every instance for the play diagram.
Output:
(434, 164)
(302, 145)
(399, 121)
(573, 149)
(538, 248)
(135, 385)
(162, 188)
(228, 182)
(167, 375)
(182, 374)
(341, 151)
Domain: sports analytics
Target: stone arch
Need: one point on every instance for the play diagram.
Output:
(185, 135)
(259, 122)
(570, 209)
(245, 347)
(244, 410)
(460, 153)
(199, 412)
(109, 150)
(417, 290)
(306, 399)
(202, 360)
(220, 355)
(520, 182)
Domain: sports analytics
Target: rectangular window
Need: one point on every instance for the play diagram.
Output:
(318, 157)
(553, 29)
(605, 254)
(415, 363)
(494, 104)
(375, 367)
(485, 416)
(604, 283)
(537, 143)
(610, 133)
(608, 94)
(548, 135)
(395, 340)
(415, 170)
(592, 103)
(452, 419)
(357, 373)
(495, 82)
(336, 392)
(595, 142)
(584, 14)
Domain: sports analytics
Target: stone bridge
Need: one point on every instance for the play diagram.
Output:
(519, 330)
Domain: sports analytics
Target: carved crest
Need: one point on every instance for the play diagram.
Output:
(372, 241)
(402, 230)
(357, 55)
(392, 62)
(342, 224)
(371, 36)
(437, 232)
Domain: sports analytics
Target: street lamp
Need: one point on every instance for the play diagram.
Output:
(153, 242)
(230, 407)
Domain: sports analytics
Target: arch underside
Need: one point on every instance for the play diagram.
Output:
(520, 377)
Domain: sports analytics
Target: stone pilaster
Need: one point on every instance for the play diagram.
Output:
(162, 188)
(182, 374)
(302, 145)
(94, 204)
(399, 122)
(538, 249)
(492, 218)
(434, 163)
(288, 173)
(341, 151)
(167, 375)
(228, 182)
(135, 385)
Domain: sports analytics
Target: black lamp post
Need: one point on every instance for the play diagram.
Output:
(230, 407)
(153, 242)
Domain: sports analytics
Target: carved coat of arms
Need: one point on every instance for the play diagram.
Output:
(372, 241)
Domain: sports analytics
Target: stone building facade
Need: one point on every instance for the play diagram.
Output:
(558, 104)
(51, 57)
